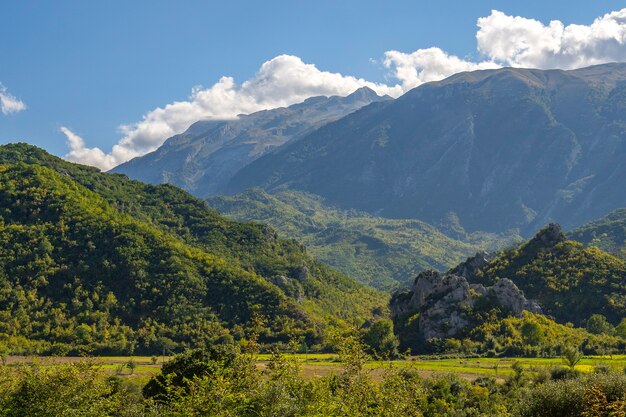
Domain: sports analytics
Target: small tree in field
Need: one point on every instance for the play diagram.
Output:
(131, 365)
(571, 355)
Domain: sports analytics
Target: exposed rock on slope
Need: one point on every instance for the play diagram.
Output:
(446, 302)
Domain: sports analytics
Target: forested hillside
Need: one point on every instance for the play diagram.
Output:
(380, 252)
(96, 262)
(530, 300)
(607, 233)
(570, 282)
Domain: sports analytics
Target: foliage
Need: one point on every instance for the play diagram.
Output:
(571, 356)
(94, 262)
(380, 339)
(593, 395)
(571, 282)
(607, 233)
(597, 324)
(376, 251)
(226, 382)
(66, 390)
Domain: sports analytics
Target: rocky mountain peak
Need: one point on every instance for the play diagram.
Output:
(471, 266)
(550, 235)
(363, 94)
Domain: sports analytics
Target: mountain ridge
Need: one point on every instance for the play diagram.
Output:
(502, 149)
(204, 157)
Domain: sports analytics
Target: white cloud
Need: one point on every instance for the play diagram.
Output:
(281, 81)
(88, 156)
(8, 103)
(522, 42)
(431, 64)
(502, 40)
(519, 42)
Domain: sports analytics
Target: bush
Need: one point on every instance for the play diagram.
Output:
(594, 395)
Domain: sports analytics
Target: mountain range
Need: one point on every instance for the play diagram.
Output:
(382, 188)
(500, 149)
(203, 159)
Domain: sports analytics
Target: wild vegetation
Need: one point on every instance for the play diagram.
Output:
(607, 233)
(570, 282)
(576, 294)
(380, 252)
(225, 381)
(98, 263)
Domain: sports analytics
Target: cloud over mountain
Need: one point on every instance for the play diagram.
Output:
(8, 103)
(517, 41)
(281, 81)
(502, 40)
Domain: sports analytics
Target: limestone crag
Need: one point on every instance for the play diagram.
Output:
(471, 266)
(446, 302)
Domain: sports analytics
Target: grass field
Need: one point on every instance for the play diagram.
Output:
(315, 365)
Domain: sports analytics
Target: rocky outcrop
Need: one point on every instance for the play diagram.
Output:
(291, 287)
(511, 298)
(549, 236)
(471, 266)
(446, 302)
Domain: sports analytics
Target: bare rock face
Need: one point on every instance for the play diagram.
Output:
(302, 273)
(512, 298)
(550, 235)
(471, 266)
(290, 287)
(445, 302)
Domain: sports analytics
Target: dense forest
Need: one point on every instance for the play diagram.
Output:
(377, 251)
(98, 263)
(607, 233)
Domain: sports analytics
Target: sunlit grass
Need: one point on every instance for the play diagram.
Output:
(320, 364)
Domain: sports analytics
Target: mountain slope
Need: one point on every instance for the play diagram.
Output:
(204, 158)
(569, 281)
(607, 233)
(526, 301)
(376, 251)
(501, 149)
(129, 267)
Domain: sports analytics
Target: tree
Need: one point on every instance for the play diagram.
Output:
(131, 365)
(4, 352)
(381, 340)
(532, 333)
(598, 324)
(620, 329)
(571, 355)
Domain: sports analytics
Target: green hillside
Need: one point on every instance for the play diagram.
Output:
(570, 281)
(607, 233)
(96, 262)
(380, 252)
(531, 300)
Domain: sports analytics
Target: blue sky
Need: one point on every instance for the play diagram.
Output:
(93, 66)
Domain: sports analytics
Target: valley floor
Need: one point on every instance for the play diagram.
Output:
(317, 365)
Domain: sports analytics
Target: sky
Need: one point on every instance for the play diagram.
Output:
(103, 82)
